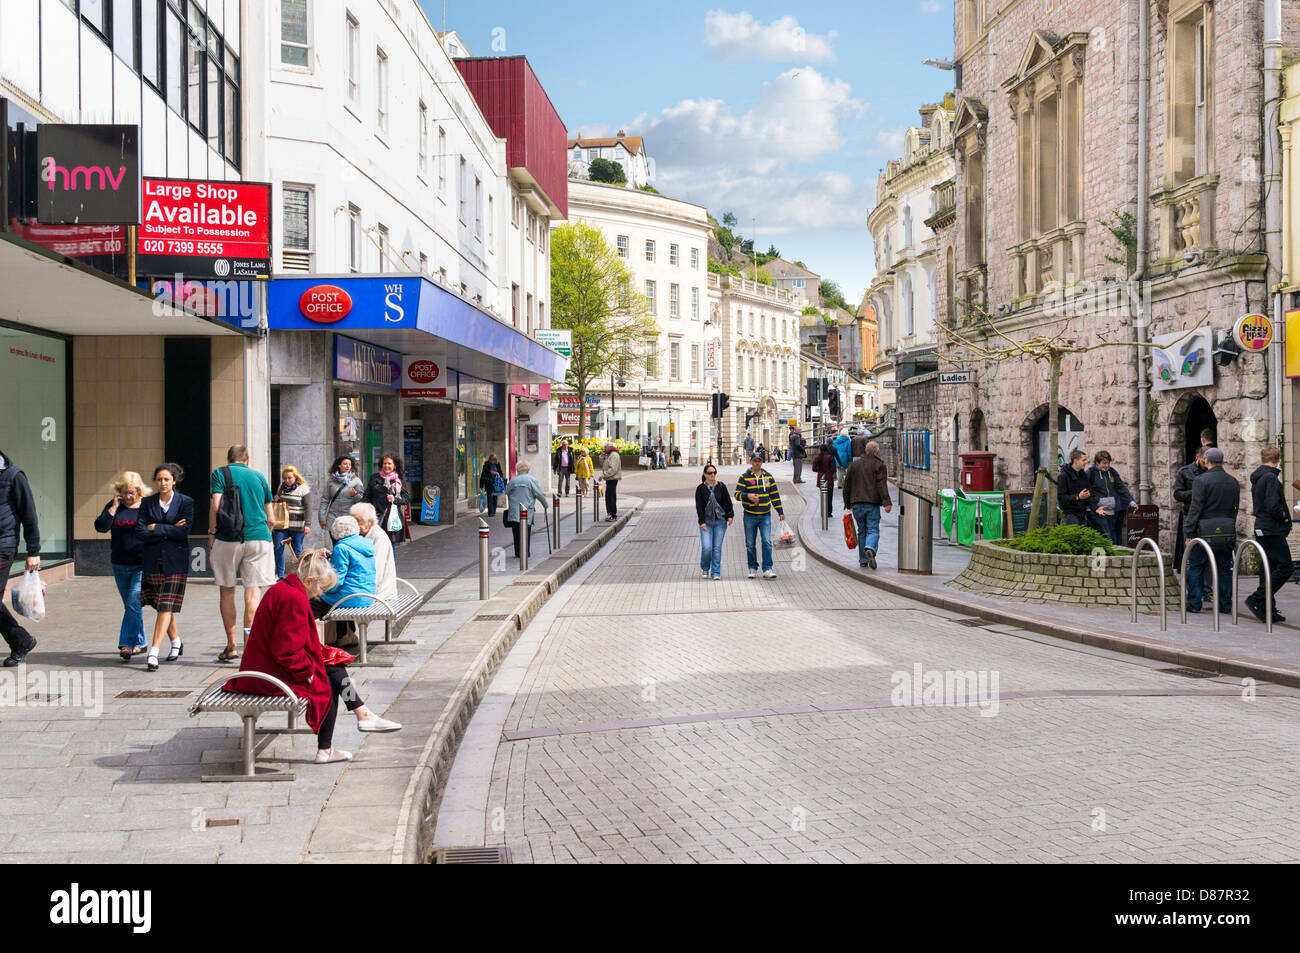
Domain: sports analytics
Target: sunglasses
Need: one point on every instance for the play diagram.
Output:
(710, 472)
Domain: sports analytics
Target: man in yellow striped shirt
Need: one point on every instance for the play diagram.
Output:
(756, 490)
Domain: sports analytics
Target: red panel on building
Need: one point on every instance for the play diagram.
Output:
(519, 111)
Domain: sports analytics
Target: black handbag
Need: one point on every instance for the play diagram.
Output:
(1218, 531)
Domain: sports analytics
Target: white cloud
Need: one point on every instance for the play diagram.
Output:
(592, 131)
(738, 36)
(930, 6)
(890, 142)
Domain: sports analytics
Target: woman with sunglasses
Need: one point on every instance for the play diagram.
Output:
(715, 513)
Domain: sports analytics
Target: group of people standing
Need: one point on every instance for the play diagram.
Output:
(1096, 496)
(757, 492)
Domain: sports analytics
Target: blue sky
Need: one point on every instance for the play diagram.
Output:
(782, 113)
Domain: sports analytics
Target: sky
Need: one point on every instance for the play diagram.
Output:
(780, 112)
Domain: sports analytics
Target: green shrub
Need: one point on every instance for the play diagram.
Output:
(1063, 540)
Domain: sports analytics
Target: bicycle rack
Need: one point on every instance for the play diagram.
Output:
(1214, 576)
(1148, 543)
(1268, 584)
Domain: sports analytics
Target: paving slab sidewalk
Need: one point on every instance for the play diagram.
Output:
(96, 771)
(1245, 649)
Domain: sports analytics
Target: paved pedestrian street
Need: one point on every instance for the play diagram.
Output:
(648, 714)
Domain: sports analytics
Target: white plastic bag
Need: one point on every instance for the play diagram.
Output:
(28, 596)
(394, 524)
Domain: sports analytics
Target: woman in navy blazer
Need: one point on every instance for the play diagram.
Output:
(163, 528)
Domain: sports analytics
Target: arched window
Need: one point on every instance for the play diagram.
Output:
(740, 372)
(908, 302)
(907, 226)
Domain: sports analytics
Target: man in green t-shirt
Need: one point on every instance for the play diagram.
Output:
(250, 557)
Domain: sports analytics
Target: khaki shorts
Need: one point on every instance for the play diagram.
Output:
(252, 561)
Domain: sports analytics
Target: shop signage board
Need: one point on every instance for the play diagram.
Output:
(1182, 360)
(712, 357)
(1293, 343)
(952, 377)
(571, 400)
(205, 229)
(87, 174)
(1019, 504)
(424, 379)
(413, 452)
(359, 363)
(557, 339)
(567, 418)
(1254, 332)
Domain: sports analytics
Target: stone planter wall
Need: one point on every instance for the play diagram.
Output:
(1047, 578)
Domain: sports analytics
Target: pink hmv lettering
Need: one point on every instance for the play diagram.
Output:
(51, 170)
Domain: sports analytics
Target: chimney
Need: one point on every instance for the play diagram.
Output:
(833, 343)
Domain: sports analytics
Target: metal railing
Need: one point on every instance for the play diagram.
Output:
(1268, 583)
(1214, 576)
(1148, 543)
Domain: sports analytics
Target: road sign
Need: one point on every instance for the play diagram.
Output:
(954, 377)
(559, 340)
(891, 385)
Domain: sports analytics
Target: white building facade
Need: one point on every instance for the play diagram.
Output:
(624, 150)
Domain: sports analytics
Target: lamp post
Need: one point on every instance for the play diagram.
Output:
(671, 432)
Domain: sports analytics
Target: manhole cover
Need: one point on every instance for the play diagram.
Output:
(150, 693)
(470, 855)
(1189, 672)
(973, 623)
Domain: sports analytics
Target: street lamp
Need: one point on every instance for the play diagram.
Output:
(613, 424)
(671, 432)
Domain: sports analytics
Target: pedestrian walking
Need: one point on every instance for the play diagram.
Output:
(163, 528)
(387, 493)
(843, 445)
(1272, 526)
(583, 470)
(385, 567)
(756, 489)
(677, 456)
(1074, 494)
(1114, 499)
(748, 444)
(735, 456)
(492, 482)
(523, 492)
(283, 644)
(1216, 497)
(118, 519)
(240, 553)
(562, 465)
(797, 453)
(866, 493)
(715, 512)
(353, 559)
(17, 517)
(762, 452)
(1183, 481)
(611, 468)
(295, 494)
(824, 467)
(344, 489)
(857, 443)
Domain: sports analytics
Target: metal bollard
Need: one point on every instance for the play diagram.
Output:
(826, 508)
(577, 512)
(484, 560)
(523, 539)
(595, 503)
(555, 527)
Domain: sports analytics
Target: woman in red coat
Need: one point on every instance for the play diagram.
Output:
(284, 643)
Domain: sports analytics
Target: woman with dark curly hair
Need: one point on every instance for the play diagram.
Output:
(342, 489)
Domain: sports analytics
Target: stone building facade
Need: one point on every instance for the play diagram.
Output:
(1046, 138)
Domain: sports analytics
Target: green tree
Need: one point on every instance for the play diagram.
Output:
(592, 296)
(729, 219)
(605, 170)
(832, 297)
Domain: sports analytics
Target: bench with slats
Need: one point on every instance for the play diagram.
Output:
(248, 707)
(388, 611)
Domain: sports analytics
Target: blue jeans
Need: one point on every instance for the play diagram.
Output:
(280, 535)
(128, 578)
(758, 526)
(1199, 582)
(867, 516)
(711, 546)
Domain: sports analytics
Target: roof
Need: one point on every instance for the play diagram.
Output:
(780, 268)
(865, 310)
(632, 144)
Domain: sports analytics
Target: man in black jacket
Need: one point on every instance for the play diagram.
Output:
(1216, 497)
(1183, 495)
(1272, 526)
(562, 465)
(17, 515)
(1107, 484)
(1074, 494)
(797, 453)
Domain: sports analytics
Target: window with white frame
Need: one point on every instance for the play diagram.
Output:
(295, 43)
(753, 382)
(649, 249)
(442, 162)
(695, 259)
(740, 372)
(384, 247)
(492, 219)
(424, 138)
(297, 228)
(695, 362)
(381, 89)
(623, 244)
(674, 298)
(651, 358)
(478, 207)
(354, 60)
(675, 361)
(543, 230)
(650, 295)
(516, 208)
(672, 255)
(797, 283)
(785, 380)
(695, 303)
(356, 251)
(461, 186)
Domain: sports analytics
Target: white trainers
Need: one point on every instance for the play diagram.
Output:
(378, 724)
(753, 573)
(769, 575)
(704, 573)
(334, 754)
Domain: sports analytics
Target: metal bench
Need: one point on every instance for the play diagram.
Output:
(388, 611)
(248, 707)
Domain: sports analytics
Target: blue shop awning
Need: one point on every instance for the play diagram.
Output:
(416, 317)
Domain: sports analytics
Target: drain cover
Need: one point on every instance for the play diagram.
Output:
(222, 822)
(972, 623)
(149, 693)
(1189, 672)
(640, 540)
(470, 855)
(492, 617)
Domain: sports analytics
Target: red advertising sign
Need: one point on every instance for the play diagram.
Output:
(325, 304)
(205, 229)
(567, 418)
(422, 378)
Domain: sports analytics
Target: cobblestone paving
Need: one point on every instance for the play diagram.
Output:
(784, 746)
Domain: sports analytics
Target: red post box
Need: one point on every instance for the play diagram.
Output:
(977, 471)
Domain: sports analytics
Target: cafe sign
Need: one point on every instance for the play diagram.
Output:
(1254, 332)
(359, 363)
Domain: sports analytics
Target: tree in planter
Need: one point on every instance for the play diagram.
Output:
(591, 296)
(605, 170)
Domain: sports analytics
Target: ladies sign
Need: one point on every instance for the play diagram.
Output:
(205, 229)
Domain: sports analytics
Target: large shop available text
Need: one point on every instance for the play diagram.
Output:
(172, 219)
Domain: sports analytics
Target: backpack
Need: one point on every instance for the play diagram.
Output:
(230, 514)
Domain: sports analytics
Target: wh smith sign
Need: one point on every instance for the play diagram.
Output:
(359, 363)
(206, 229)
(87, 174)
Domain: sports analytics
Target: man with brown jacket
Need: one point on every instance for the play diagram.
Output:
(866, 492)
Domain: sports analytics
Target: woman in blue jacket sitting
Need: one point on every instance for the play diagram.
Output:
(353, 560)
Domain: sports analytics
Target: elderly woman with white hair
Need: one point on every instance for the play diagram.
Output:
(283, 643)
(385, 568)
(353, 560)
(118, 518)
(521, 492)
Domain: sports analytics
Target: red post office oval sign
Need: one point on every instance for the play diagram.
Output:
(1253, 332)
(422, 372)
(325, 304)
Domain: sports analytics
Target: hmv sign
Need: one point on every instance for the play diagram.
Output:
(87, 174)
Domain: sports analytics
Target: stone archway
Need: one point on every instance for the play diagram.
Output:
(1191, 415)
(1035, 440)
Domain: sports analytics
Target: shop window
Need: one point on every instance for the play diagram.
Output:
(34, 429)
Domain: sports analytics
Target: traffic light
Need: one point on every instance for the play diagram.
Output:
(826, 387)
(721, 402)
(834, 405)
(814, 392)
